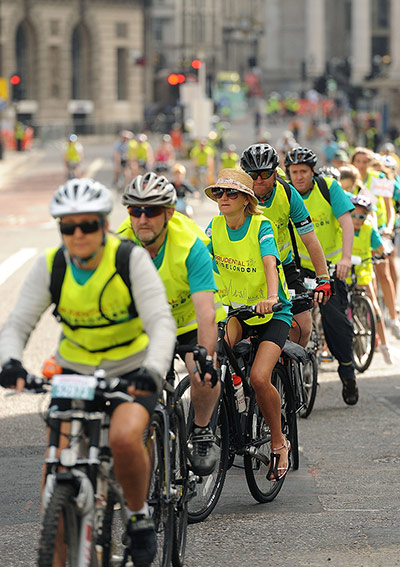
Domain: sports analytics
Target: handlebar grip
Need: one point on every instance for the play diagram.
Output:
(277, 307)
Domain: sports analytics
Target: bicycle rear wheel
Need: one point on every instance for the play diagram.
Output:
(161, 507)
(205, 492)
(280, 380)
(310, 383)
(362, 315)
(61, 513)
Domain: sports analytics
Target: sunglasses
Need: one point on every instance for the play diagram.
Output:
(230, 193)
(356, 216)
(87, 227)
(149, 212)
(264, 174)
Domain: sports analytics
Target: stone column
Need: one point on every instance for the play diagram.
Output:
(360, 40)
(394, 39)
(315, 37)
(271, 48)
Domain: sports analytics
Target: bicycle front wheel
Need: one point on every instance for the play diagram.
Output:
(362, 315)
(204, 493)
(181, 486)
(60, 534)
(161, 505)
(257, 460)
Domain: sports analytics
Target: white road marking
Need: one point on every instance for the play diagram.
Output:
(94, 167)
(15, 261)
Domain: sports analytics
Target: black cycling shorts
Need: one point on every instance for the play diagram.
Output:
(274, 331)
(294, 281)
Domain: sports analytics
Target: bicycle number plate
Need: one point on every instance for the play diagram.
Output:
(73, 386)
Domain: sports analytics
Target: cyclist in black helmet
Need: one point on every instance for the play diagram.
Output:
(282, 204)
(330, 210)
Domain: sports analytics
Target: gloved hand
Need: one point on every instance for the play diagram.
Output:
(208, 368)
(147, 379)
(323, 291)
(12, 369)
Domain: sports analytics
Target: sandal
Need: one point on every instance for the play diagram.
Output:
(350, 392)
(273, 473)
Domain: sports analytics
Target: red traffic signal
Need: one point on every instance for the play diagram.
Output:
(176, 78)
(15, 79)
(196, 64)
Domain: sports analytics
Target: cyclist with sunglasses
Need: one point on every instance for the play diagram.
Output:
(104, 325)
(184, 264)
(281, 203)
(243, 244)
(330, 213)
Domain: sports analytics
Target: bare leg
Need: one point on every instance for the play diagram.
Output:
(301, 332)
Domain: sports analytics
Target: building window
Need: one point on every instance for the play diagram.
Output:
(347, 16)
(158, 29)
(122, 73)
(54, 71)
(381, 14)
(121, 29)
(54, 27)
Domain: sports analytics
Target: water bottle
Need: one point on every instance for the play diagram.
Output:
(239, 393)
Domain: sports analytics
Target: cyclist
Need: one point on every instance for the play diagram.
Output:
(143, 157)
(104, 325)
(165, 152)
(282, 204)
(244, 248)
(122, 157)
(185, 268)
(202, 157)
(182, 188)
(73, 155)
(363, 159)
(329, 209)
(229, 158)
(367, 241)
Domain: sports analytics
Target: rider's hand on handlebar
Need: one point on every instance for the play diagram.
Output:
(323, 291)
(343, 267)
(13, 375)
(265, 306)
(146, 381)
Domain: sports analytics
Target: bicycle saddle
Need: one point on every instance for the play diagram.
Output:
(295, 352)
(242, 348)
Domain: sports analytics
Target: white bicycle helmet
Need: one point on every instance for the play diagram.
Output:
(148, 190)
(81, 196)
(361, 200)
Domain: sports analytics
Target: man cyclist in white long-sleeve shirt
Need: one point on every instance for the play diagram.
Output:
(106, 324)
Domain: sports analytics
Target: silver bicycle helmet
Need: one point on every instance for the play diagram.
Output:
(258, 157)
(149, 189)
(361, 200)
(81, 196)
(296, 156)
(329, 171)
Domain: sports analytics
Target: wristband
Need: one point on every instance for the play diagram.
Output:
(272, 295)
(322, 276)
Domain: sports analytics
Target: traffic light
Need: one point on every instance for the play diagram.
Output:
(176, 78)
(196, 64)
(16, 87)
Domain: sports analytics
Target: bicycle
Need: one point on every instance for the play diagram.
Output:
(240, 430)
(362, 315)
(80, 487)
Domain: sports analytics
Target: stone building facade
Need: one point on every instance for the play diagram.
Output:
(80, 61)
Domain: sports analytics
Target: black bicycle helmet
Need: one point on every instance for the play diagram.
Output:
(296, 156)
(258, 157)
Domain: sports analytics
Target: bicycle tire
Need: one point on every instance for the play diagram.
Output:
(112, 534)
(180, 475)
(161, 509)
(310, 384)
(62, 506)
(362, 315)
(208, 490)
(282, 383)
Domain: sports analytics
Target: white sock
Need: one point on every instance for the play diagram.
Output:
(143, 511)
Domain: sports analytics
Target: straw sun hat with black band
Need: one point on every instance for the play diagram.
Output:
(230, 178)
